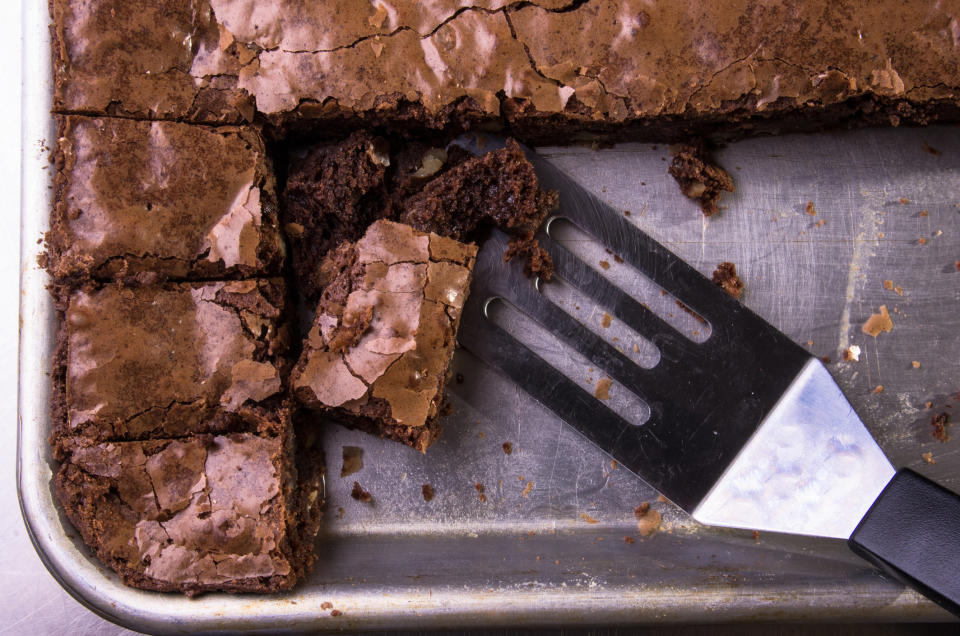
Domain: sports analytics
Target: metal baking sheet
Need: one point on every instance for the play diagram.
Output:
(547, 546)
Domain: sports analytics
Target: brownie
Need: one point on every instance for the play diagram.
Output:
(156, 60)
(171, 360)
(335, 191)
(197, 513)
(377, 356)
(164, 198)
(550, 70)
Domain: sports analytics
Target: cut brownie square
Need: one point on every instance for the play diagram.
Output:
(147, 60)
(171, 360)
(199, 513)
(378, 354)
(177, 200)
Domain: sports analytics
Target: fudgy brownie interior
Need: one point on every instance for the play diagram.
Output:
(335, 191)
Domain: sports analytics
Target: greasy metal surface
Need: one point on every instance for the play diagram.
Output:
(518, 560)
(811, 468)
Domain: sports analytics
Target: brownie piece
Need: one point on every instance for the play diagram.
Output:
(198, 513)
(156, 60)
(335, 191)
(549, 70)
(171, 360)
(332, 195)
(167, 198)
(699, 176)
(499, 187)
(378, 354)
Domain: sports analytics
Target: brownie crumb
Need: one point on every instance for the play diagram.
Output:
(459, 378)
(536, 260)
(812, 211)
(527, 489)
(588, 518)
(825, 359)
(756, 535)
(427, 491)
(725, 277)
(507, 448)
(940, 422)
(928, 457)
(336, 612)
(930, 149)
(326, 605)
(957, 265)
(878, 389)
(699, 177)
(629, 540)
(648, 520)
(359, 493)
(602, 392)
(352, 460)
(480, 492)
(877, 323)
(607, 320)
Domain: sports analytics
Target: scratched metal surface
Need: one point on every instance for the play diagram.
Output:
(547, 546)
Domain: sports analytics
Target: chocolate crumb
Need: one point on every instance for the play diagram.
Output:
(648, 520)
(605, 264)
(928, 457)
(527, 489)
(756, 535)
(359, 493)
(930, 149)
(507, 448)
(536, 260)
(915, 364)
(940, 422)
(641, 510)
(699, 177)
(877, 323)
(825, 359)
(725, 276)
(606, 320)
(427, 491)
(602, 391)
(480, 493)
(588, 518)
(459, 378)
(810, 209)
(957, 265)
(336, 612)
(352, 460)
(878, 389)
(903, 200)
(629, 540)
(326, 605)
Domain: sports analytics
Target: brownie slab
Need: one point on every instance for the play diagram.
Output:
(378, 353)
(175, 200)
(199, 513)
(171, 360)
(549, 70)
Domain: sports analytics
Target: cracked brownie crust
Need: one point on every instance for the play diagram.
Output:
(172, 360)
(380, 346)
(545, 68)
(197, 513)
(172, 200)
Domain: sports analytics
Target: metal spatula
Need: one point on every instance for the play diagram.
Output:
(746, 429)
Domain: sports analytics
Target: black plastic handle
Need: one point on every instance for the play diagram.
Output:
(912, 532)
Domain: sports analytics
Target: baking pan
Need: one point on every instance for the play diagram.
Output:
(555, 541)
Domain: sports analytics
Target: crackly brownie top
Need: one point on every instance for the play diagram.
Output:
(193, 512)
(164, 197)
(219, 59)
(384, 329)
(168, 358)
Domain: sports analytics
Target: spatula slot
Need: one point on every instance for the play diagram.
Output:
(567, 361)
(597, 319)
(620, 273)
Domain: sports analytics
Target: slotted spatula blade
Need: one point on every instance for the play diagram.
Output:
(746, 429)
